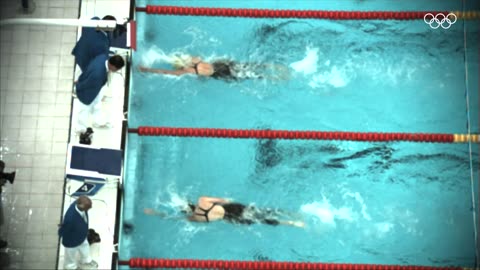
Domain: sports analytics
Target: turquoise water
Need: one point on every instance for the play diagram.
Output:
(382, 203)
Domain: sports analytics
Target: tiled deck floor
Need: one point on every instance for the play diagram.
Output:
(36, 76)
(36, 71)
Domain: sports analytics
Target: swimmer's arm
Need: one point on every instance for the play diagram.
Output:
(164, 71)
(151, 212)
(212, 200)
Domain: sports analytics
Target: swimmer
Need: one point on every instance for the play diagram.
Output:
(224, 69)
(211, 209)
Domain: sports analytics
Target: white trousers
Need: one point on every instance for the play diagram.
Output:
(70, 257)
(93, 111)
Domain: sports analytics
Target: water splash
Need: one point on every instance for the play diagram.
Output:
(329, 75)
(173, 200)
(155, 55)
(359, 199)
(326, 213)
(307, 65)
(200, 38)
(334, 77)
(384, 227)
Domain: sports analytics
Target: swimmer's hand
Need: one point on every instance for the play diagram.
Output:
(151, 70)
(151, 212)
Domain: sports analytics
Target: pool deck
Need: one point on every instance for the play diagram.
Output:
(36, 79)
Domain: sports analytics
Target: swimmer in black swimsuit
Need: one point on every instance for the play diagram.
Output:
(211, 209)
(226, 70)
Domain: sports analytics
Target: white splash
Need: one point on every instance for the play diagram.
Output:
(384, 227)
(175, 200)
(327, 213)
(324, 75)
(334, 77)
(359, 199)
(154, 55)
(378, 229)
(307, 65)
(200, 38)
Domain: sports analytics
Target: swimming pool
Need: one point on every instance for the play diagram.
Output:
(381, 203)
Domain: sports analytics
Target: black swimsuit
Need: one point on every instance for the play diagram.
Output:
(195, 66)
(220, 70)
(205, 211)
(234, 213)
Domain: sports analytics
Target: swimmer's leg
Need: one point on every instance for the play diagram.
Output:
(277, 214)
(299, 224)
(280, 72)
(275, 222)
(275, 72)
(272, 217)
(284, 73)
(244, 221)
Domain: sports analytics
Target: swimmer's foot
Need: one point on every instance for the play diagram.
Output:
(299, 224)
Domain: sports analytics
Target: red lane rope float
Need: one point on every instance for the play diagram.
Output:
(286, 13)
(303, 135)
(251, 265)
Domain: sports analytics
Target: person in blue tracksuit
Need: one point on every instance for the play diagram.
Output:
(74, 233)
(92, 56)
(95, 75)
(92, 43)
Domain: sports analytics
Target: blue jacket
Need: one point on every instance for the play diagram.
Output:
(91, 44)
(92, 79)
(74, 229)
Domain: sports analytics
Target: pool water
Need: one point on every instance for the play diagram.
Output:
(381, 203)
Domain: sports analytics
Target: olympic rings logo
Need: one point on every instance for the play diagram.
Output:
(439, 20)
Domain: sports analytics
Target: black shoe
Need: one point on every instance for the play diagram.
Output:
(3, 244)
(10, 177)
